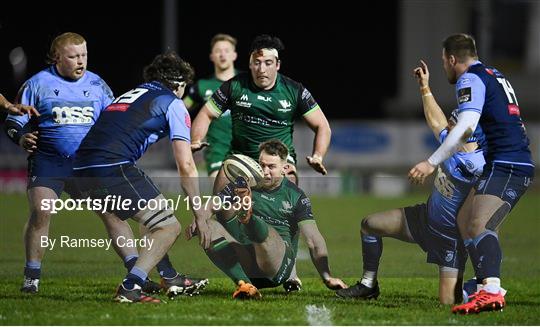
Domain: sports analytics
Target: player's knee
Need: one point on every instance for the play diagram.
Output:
(367, 225)
(475, 227)
(39, 218)
(159, 219)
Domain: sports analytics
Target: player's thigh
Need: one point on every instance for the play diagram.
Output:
(271, 252)
(391, 223)
(465, 214)
(484, 208)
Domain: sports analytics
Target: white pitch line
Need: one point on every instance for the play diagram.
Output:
(318, 316)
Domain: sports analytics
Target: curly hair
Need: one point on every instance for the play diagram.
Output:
(169, 69)
(266, 41)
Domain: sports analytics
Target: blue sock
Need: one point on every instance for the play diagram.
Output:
(372, 248)
(489, 254)
(32, 269)
(165, 268)
(475, 260)
(135, 276)
(129, 261)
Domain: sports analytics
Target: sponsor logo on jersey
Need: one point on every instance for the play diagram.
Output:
(265, 99)
(266, 197)
(118, 107)
(511, 194)
(73, 115)
(449, 256)
(56, 91)
(513, 110)
(244, 101)
(86, 93)
(443, 184)
(306, 202)
(481, 184)
(305, 94)
(187, 120)
(464, 95)
(285, 106)
(286, 207)
(11, 132)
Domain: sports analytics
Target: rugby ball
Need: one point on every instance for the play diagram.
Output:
(241, 165)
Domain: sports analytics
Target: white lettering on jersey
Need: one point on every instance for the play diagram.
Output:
(443, 184)
(73, 115)
(130, 96)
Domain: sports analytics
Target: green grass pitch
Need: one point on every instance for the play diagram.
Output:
(78, 284)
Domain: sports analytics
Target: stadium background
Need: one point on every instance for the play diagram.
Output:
(359, 70)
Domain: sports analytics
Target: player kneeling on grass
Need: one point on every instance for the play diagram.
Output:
(256, 246)
(431, 225)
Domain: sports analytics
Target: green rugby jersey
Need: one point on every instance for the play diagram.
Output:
(219, 132)
(283, 208)
(259, 115)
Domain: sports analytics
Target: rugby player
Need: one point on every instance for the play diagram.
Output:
(486, 98)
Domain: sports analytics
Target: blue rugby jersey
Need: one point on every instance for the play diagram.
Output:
(68, 109)
(453, 182)
(485, 90)
(133, 122)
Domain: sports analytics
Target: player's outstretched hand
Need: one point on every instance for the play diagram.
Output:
(196, 146)
(29, 141)
(21, 109)
(204, 233)
(418, 174)
(421, 73)
(334, 283)
(191, 231)
(315, 162)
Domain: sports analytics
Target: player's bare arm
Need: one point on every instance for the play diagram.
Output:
(200, 127)
(435, 117)
(318, 123)
(188, 172)
(17, 109)
(319, 254)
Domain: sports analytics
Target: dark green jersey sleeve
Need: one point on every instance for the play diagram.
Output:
(302, 210)
(193, 98)
(221, 99)
(306, 102)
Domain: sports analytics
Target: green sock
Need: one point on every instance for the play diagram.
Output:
(256, 230)
(223, 256)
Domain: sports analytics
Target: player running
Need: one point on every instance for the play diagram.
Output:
(432, 225)
(105, 166)
(256, 246)
(223, 55)
(485, 98)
